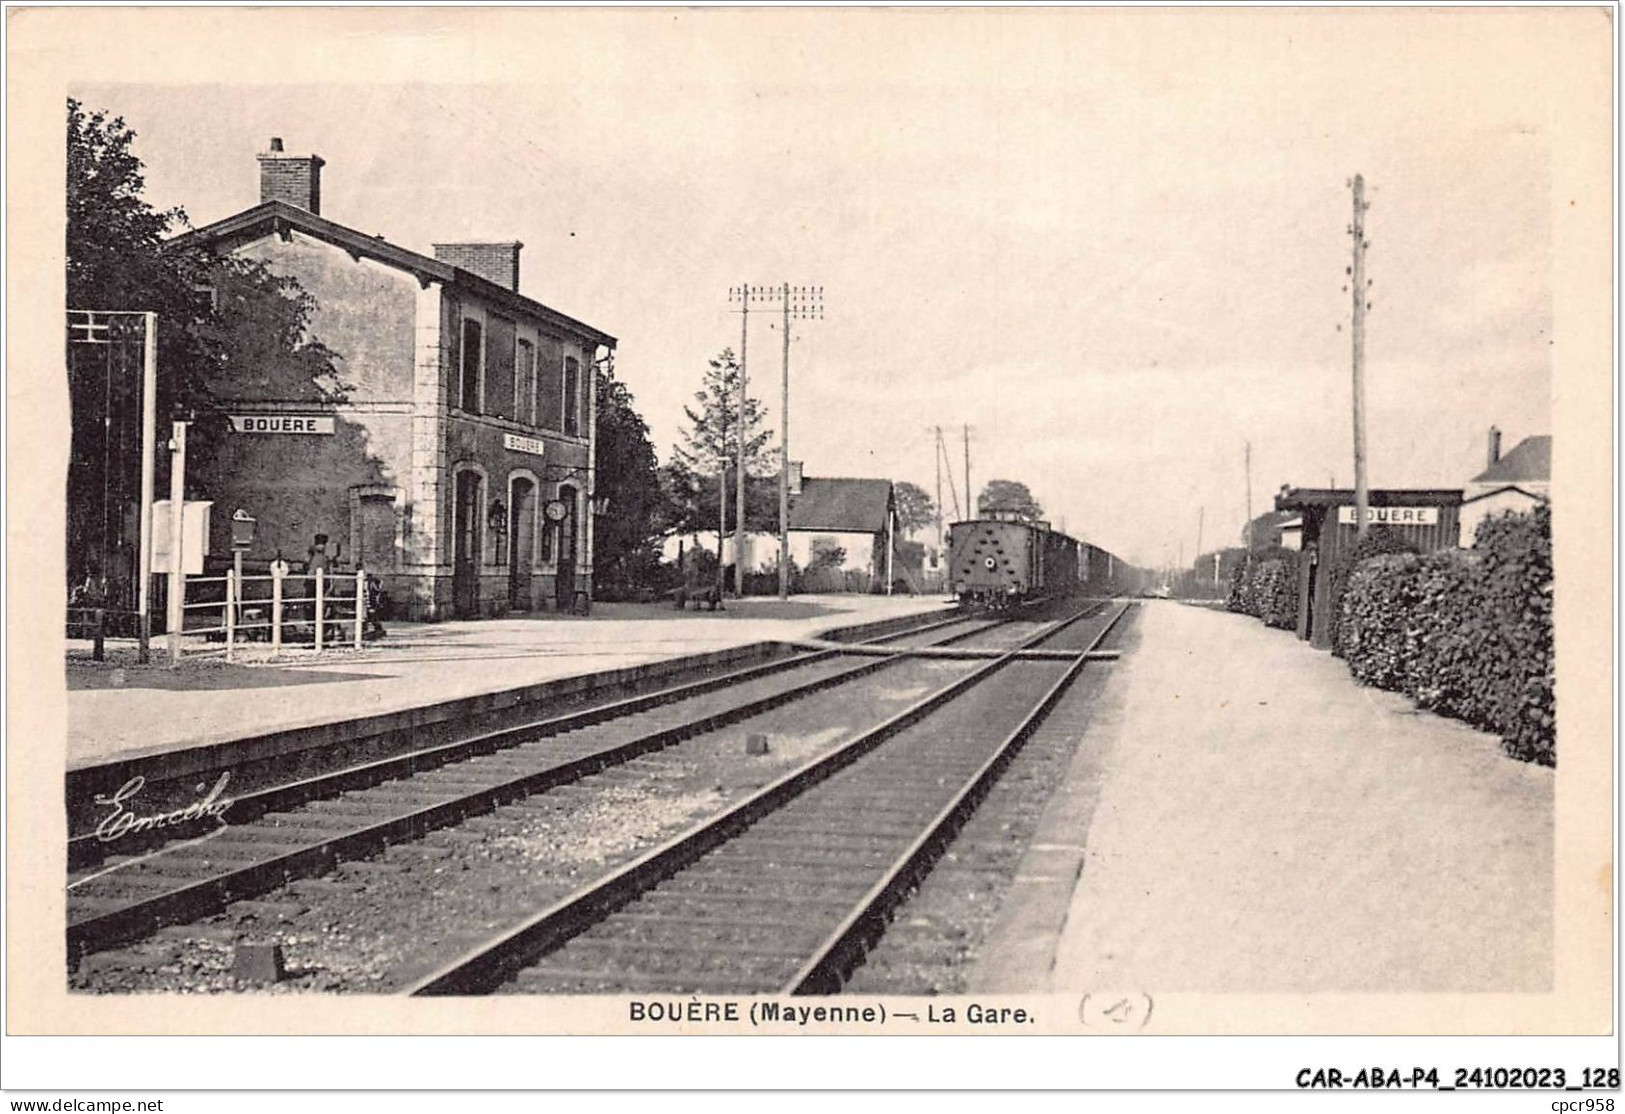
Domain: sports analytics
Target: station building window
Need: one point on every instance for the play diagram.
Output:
(572, 396)
(524, 382)
(501, 347)
(470, 366)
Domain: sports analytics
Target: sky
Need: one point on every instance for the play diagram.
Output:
(1112, 243)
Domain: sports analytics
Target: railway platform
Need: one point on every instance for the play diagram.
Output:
(118, 710)
(1243, 817)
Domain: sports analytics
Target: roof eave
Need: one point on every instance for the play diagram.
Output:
(424, 268)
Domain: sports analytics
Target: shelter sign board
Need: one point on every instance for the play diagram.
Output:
(1391, 516)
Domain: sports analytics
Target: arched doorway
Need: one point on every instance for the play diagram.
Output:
(521, 542)
(564, 584)
(465, 569)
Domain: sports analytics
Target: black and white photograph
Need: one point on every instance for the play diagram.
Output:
(897, 521)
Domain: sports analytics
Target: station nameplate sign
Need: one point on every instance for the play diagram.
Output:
(281, 423)
(1392, 516)
(522, 444)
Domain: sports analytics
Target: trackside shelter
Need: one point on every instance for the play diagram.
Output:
(1427, 518)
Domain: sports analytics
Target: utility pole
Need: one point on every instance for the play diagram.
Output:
(1201, 516)
(722, 511)
(801, 302)
(970, 508)
(1248, 529)
(943, 462)
(936, 459)
(739, 501)
(1362, 495)
(784, 458)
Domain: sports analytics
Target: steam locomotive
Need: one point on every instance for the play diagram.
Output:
(1002, 560)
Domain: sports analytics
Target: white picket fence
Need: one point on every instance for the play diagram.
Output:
(256, 608)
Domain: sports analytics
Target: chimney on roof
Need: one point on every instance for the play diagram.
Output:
(498, 262)
(795, 477)
(1494, 451)
(295, 179)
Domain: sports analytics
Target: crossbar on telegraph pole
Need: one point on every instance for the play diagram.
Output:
(802, 303)
(96, 327)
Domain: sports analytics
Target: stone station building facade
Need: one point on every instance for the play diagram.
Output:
(457, 462)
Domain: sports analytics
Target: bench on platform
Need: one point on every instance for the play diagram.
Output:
(710, 595)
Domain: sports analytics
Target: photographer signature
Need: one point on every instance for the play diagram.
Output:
(122, 820)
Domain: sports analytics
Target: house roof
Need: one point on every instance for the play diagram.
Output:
(1302, 498)
(848, 506)
(1529, 461)
(281, 217)
(1502, 490)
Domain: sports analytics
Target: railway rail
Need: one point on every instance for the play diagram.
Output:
(303, 830)
(785, 891)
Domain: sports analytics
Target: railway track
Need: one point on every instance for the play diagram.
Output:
(785, 891)
(303, 830)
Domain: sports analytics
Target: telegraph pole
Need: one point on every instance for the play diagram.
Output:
(936, 458)
(1248, 529)
(739, 500)
(802, 303)
(784, 458)
(944, 462)
(970, 508)
(1201, 516)
(1362, 495)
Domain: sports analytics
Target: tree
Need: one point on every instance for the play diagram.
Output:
(221, 319)
(707, 457)
(914, 507)
(626, 539)
(713, 430)
(1009, 497)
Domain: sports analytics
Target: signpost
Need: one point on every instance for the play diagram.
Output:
(242, 539)
(177, 531)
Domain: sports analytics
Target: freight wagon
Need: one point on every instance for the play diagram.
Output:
(1000, 561)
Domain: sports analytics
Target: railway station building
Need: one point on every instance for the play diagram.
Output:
(457, 463)
(1427, 518)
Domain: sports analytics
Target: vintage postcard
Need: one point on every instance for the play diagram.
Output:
(798, 521)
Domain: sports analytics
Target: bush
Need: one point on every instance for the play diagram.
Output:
(1266, 587)
(1467, 634)
(1377, 541)
(1516, 662)
(1379, 605)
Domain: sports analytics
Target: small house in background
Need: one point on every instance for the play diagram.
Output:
(1269, 531)
(842, 534)
(845, 528)
(1427, 518)
(1517, 482)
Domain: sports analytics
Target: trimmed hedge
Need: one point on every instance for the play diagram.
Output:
(1465, 633)
(1377, 541)
(1266, 587)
